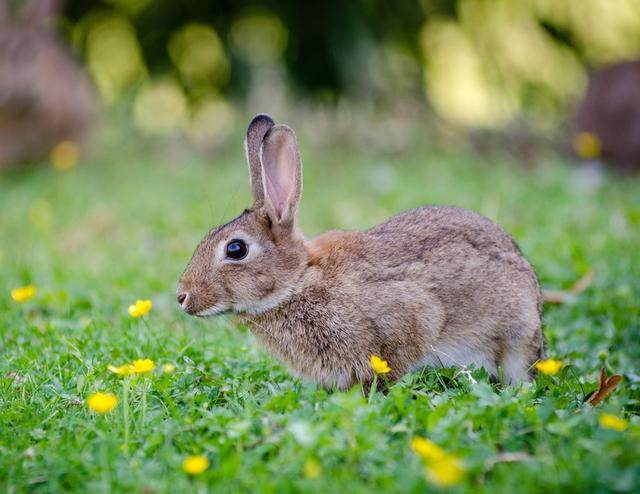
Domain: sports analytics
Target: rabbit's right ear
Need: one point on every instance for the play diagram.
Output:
(259, 126)
(281, 174)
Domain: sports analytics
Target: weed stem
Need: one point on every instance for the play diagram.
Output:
(125, 412)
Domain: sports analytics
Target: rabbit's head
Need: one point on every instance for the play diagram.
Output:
(251, 264)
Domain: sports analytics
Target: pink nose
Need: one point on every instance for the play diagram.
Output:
(182, 298)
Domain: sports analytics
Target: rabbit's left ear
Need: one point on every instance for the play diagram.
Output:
(256, 131)
(281, 174)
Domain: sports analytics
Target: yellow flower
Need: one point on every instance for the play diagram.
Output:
(102, 402)
(123, 370)
(445, 471)
(442, 468)
(312, 468)
(549, 367)
(23, 293)
(64, 155)
(426, 449)
(378, 365)
(196, 464)
(140, 366)
(587, 145)
(168, 368)
(140, 308)
(609, 421)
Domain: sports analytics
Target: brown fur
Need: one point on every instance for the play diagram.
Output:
(321, 246)
(433, 286)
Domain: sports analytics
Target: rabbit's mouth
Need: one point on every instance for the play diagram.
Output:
(214, 310)
(270, 302)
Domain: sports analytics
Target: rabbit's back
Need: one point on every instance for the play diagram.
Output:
(432, 286)
(489, 294)
(438, 225)
(446, 241)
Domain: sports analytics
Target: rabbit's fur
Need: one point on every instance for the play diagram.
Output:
(45, 97)
(433, 286)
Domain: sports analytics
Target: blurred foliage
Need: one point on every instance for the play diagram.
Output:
(481, 63)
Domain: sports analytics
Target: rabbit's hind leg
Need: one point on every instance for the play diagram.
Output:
(515, 365)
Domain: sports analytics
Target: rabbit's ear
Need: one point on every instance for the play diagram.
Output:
(258, 127)
(281, 173)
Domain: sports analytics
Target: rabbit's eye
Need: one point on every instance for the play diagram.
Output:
(237, 249)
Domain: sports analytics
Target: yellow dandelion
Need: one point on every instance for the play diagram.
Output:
(23, 293)
(140, 366)
(446, 471)
(64, 155)
(378, 365)
(168, 368)
(312, 468)
(193, 465)
(549, 367)
(102, 402)
(140, 308)
(426, 449)
(612, 422)
(587, 145)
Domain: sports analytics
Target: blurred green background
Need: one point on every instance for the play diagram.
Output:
(191, 67)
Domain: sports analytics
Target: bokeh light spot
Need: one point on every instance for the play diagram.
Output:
(64, 155)
(212, 123)
(586, 145)
(114, 58)
(456, 84)
(199, 56)
(259, 37)
(160, 107)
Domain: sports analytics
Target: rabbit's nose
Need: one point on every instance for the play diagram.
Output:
(182, 298)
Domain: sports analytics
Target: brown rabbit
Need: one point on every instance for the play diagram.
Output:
(435, 286)
(45, 97)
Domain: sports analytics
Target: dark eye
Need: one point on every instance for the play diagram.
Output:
(237, 249)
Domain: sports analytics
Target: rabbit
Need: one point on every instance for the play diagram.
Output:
(434, 286)
(45, 97)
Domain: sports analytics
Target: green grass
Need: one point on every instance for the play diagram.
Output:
(122, 226)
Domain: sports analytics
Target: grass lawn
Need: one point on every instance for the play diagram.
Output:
(122, 226)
